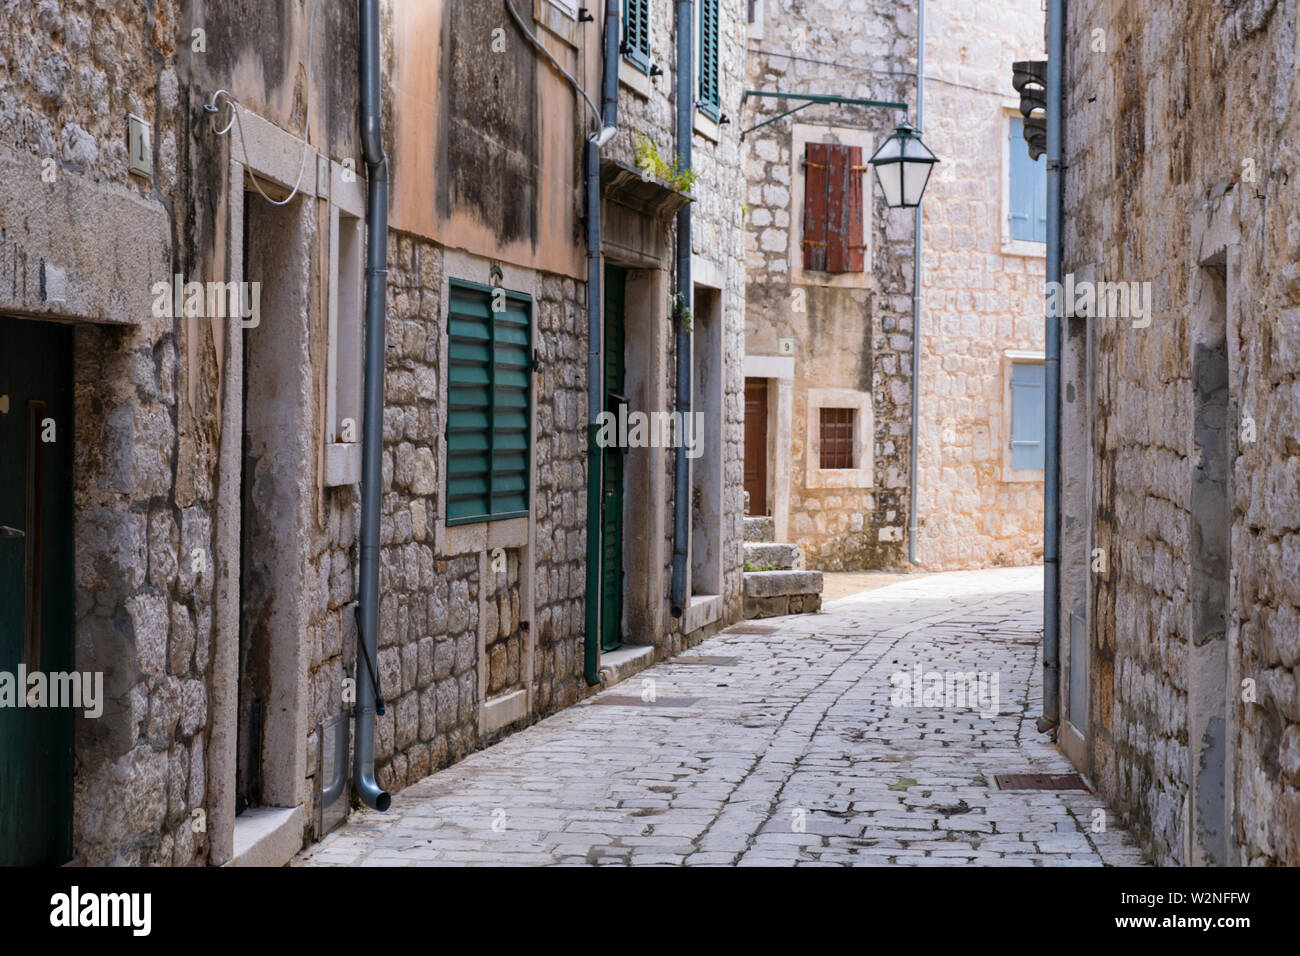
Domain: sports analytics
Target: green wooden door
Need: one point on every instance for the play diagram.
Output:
(36, 594)
(611, 525)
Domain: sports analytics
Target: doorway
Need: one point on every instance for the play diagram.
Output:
(756, 444)
(36, 589)
(611, 522)
(277, 495)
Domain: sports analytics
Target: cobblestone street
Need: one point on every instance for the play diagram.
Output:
(785, 751)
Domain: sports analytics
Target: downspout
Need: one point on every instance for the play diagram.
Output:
(684, 301)
(595, 333)
(1052, 465)
(367, 705)
(914, 508)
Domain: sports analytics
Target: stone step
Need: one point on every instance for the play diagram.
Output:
(778, 593)
(759, 528)
(771, 556)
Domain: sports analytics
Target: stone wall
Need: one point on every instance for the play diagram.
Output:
(982, 293)
(429, 663)
(647, 109)
(1180, 136)
(855, 334)
(158, 399)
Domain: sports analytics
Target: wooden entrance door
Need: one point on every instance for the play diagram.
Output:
(36, 593)
(611, 531)
(756, 444)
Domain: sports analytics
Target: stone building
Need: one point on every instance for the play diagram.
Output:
(1180, 597)
(829, 345)
(185, 211)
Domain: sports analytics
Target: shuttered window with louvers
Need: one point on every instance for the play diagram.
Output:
(489, 372)
(636, 33)
(710, 102)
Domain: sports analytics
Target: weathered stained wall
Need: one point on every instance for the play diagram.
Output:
(1176, 118)
(484, 138)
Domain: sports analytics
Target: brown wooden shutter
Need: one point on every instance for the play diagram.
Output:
(854, 248)
(832, 233)
(815, 188)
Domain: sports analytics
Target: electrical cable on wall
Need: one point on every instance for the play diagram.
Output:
(211, 107)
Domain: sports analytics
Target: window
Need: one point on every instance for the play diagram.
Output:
(709, 99)
(488, 403)
(837, 438)
(832, 208)
(1028, 413)
(1027, 209)
(636, 33)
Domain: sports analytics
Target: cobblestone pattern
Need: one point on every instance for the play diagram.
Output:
(1147, 148)
(791, 754)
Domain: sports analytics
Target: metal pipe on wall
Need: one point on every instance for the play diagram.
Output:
(682, 464)
(595, 333)
(1051, 437)
(913, 505)
(363, 754)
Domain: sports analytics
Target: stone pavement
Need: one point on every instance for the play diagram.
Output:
(794, 749)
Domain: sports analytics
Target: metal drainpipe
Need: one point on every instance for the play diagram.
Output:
(595, 333)
(682, 467)
(914, 505)
(363, 753)
(1052, 473)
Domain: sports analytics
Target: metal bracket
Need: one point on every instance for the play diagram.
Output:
(810, 99)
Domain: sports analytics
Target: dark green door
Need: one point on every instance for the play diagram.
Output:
(36, 595)
(611, 525)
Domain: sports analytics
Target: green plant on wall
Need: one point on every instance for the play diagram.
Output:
(651, 163)
(679, 310)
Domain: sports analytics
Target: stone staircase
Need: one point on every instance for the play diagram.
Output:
(786, 588)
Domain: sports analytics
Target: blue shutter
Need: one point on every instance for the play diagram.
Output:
(1028, 415)
(488, 405)
(710, 92)
(636, 33)
(1028, 180)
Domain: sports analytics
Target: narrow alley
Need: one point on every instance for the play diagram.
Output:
(775, 743)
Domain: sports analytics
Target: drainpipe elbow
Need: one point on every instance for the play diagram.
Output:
(371, 793)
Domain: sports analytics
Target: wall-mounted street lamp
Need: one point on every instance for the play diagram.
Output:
(903, 165)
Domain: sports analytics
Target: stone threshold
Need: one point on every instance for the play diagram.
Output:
(703, 610)
(621, 664)
(506, 709)
(268, 836)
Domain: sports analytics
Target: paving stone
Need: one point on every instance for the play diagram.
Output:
(805, 754)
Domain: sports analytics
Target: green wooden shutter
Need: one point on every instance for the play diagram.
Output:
(710, 92)
(636, 33)
(488, 405)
